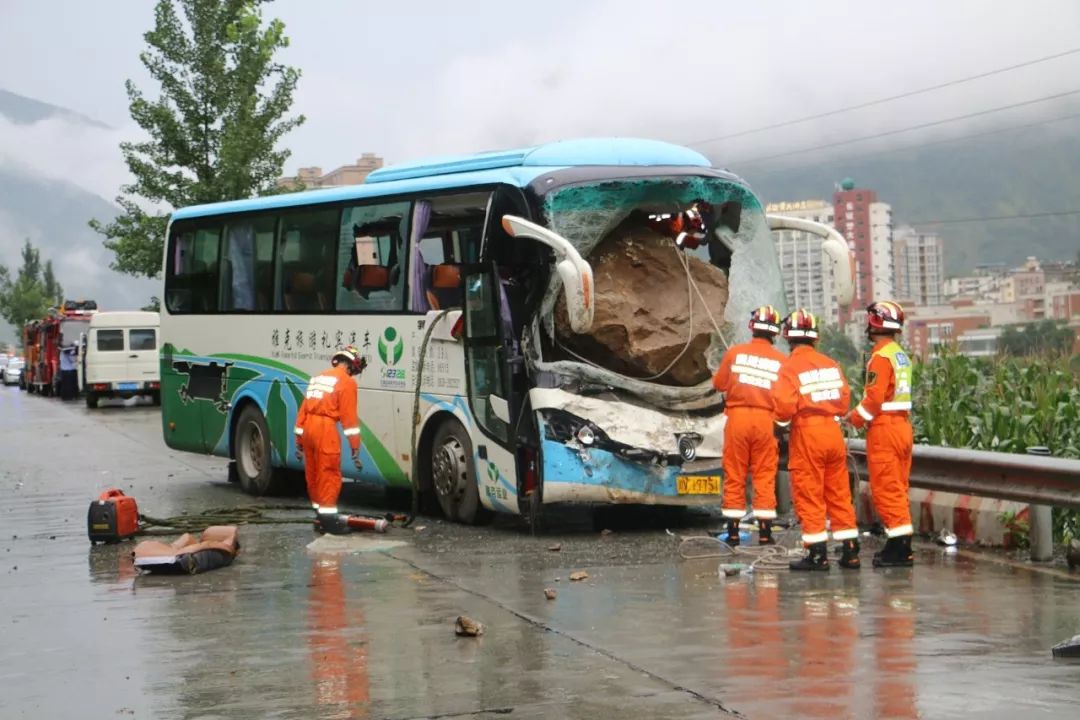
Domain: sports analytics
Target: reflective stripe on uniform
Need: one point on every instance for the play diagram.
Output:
(328, 510)
(850, 534)
(298, 430)
(899, 531)
(815, 538)
(765, 514)
(733, 513)
(862, 411)
(895, 405)
(756, 372)
(352, 431)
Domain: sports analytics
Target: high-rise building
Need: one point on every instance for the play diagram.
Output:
(312, 177)
(920, 266)
(866, 224)
(807, 272)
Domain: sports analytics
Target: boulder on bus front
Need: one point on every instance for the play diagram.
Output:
(642, 317)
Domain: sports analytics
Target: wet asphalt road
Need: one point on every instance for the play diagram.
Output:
(346, 630)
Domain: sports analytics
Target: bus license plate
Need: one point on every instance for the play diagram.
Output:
(129, 386)
(698, 485)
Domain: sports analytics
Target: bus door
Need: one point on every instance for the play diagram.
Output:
(486, 358)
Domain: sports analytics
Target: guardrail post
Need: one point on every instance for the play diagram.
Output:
(1041, 532)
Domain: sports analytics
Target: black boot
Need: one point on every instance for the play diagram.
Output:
(334, 523)
(816, 559)
(896, 553)
(765, 533)
(732, 536)
(850, 557)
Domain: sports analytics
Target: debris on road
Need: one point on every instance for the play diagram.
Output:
(579, 575)
(1068, 649)
(550, 593)
(946, 537)
(605, 532)
(555, 548)
(215, 548)
(467, 627)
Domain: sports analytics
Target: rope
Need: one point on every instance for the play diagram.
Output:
(416, 405)
(249, 515)
(762, 558)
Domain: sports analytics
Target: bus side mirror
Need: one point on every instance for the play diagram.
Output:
(833, 244)
(576, 274)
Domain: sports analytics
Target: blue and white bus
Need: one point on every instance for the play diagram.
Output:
(448, 275)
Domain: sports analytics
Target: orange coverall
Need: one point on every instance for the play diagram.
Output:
(885, 407)
(330, 399)
(810, 394)
(746, 376)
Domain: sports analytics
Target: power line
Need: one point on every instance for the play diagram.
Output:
(993, 218)
(880, 101)
(910, 128)
(917, 146)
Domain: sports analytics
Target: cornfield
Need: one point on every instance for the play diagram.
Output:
(1001, 404)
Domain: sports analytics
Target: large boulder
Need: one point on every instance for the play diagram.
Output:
(642, 315)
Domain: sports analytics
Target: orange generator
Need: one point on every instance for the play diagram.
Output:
(112, 517)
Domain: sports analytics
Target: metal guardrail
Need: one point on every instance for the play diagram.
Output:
(1030, 479)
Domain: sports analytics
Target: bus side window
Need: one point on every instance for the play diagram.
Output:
(306, 261)
(247, 266)
(371, 257)
(191, 281)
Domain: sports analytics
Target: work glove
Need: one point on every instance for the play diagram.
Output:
(356, 459)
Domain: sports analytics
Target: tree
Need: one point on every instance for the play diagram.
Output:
(1041, 338)
(31, 292)
(213, 131)
(837, 345)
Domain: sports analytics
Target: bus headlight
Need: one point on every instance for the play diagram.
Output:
(585, 435)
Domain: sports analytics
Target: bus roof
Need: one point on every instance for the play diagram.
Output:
(512, 167)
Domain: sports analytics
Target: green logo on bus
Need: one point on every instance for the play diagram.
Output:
(391, 347)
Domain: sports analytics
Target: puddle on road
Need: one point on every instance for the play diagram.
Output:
(352, 544)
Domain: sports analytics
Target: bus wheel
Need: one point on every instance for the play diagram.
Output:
(454, 476)
(91, 400)
(251, 451)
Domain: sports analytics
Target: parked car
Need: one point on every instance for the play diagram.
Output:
(11, 373)
(121, 357)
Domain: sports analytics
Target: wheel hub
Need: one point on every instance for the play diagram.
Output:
(449, 468)
(253, 450)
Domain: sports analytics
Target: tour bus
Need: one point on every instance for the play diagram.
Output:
(456, 278)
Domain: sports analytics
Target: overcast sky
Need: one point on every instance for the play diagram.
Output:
(407, 79)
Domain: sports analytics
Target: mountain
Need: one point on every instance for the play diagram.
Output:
(53, 213)
(27, 111)
(1015, 173)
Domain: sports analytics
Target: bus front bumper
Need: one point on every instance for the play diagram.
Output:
(577, 474)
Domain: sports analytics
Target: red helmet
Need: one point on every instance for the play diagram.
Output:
(766, 319)
(351, 357)
(884, 316)
(801, 324)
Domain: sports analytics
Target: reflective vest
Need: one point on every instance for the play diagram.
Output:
(902, 378)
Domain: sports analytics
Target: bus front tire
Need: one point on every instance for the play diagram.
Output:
(453, 475)
(251, 451)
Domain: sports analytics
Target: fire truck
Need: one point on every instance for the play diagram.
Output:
(43, 339)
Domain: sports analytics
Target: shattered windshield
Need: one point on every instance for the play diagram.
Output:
(679, 265)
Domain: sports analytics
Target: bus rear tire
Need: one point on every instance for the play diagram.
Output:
(251, 451)
(453, 475)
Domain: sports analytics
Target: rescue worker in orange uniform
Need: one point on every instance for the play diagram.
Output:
(746, 376)
(811, 395)
(330, 399)
(885, 407)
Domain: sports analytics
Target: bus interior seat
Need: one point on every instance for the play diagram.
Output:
(444, 286)
(302, 294)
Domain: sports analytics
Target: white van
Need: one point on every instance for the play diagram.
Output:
(121, 358)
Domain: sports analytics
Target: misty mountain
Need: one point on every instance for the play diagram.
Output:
(1024, 172)
(53, 214)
